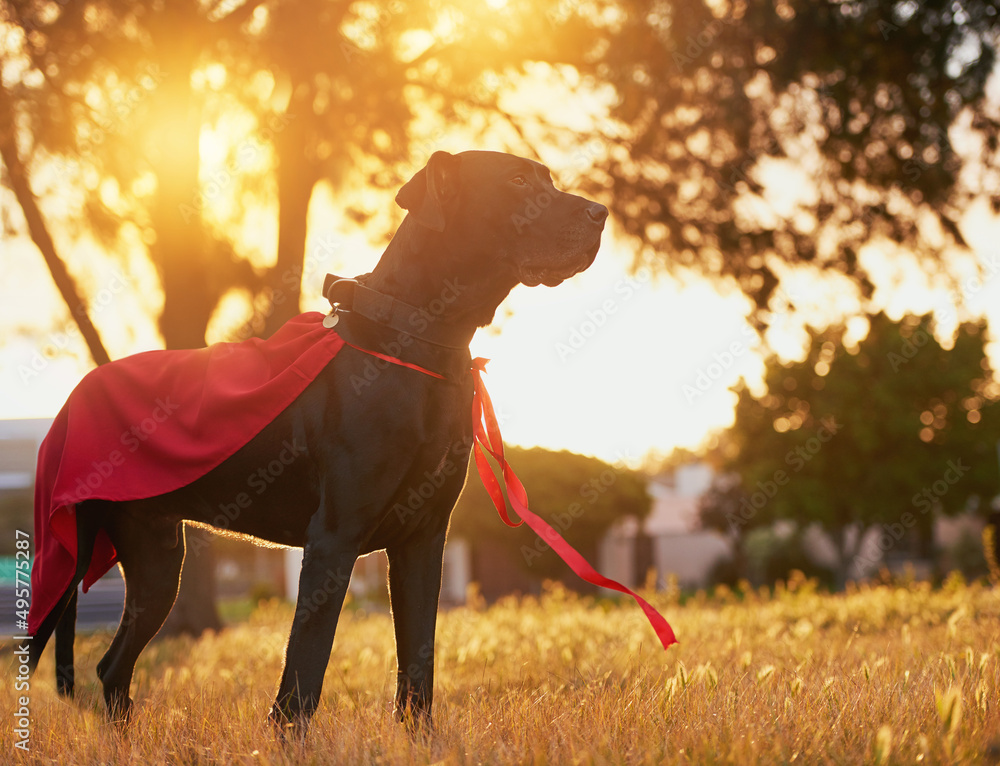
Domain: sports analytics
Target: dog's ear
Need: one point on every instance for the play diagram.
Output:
(431, 191)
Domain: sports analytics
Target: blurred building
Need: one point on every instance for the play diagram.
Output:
(370, 576)
(19, 443)
(670, 541)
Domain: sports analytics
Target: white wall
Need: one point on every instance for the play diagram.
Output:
(689, 556)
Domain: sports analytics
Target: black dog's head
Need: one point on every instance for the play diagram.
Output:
(494, 212)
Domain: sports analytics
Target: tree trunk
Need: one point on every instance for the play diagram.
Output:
(741, 563)
(180, 254)
(195, 611)
(297, 176)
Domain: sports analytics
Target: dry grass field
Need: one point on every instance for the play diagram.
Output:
(883, 675)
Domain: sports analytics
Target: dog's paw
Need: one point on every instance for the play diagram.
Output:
(287, 729)
(120, 711)
(417, 721)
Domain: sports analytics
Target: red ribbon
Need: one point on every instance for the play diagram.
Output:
(487, 439)
(394, 360)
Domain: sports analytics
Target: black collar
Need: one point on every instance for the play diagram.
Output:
(380, 323)
(353, 295)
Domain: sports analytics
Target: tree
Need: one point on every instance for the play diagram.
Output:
(882, 434)
(580, 496)
(748, 138)
(107, 71)
(720, 509)
(17, 178)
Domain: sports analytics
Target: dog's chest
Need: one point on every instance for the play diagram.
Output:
(426, 494)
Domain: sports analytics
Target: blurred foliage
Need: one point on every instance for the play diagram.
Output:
(966, 555)
(179, 124)
(737, 138)
(759, 135)
(772, 556)
(580, 496)
(889, 431)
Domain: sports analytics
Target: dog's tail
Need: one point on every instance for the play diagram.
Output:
(62, 619)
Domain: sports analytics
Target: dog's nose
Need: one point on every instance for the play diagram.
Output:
(597, 213)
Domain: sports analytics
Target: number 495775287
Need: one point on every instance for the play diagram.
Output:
(22, 574)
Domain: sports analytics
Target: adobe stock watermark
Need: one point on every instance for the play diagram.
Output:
(696, 45)
(416, 671)
(259, 481)
(722, 361)
(22, 714)
(595, 319)
(532, 210)
(60, 340)
(924, 501)
(423, 492)
(590, 492)
(335, 586)
(131, 439)
(796, 459)
(709, 374)
(969, 288)
(116, 122)
(589, 153)
(248, 152)
(908, 348)
(22, 645)
(420, 320)
(292, 280)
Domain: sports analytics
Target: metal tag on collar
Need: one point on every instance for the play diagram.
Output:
(329, 290)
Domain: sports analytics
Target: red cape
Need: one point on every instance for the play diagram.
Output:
(152, 423)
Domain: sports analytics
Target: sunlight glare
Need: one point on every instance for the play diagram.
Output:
(213, 145)
(231, 317)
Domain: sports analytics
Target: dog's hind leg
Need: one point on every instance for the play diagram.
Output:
(151, 555)
(62, 618)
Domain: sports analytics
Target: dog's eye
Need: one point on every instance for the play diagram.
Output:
(519, 181)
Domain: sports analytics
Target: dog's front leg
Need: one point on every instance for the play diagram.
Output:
(326, 573)
(414, 588)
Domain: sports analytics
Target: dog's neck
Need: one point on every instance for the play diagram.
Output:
(421, 268)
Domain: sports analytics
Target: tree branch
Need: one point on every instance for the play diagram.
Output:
(40, 233)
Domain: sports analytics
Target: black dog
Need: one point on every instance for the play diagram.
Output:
(478, 224)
